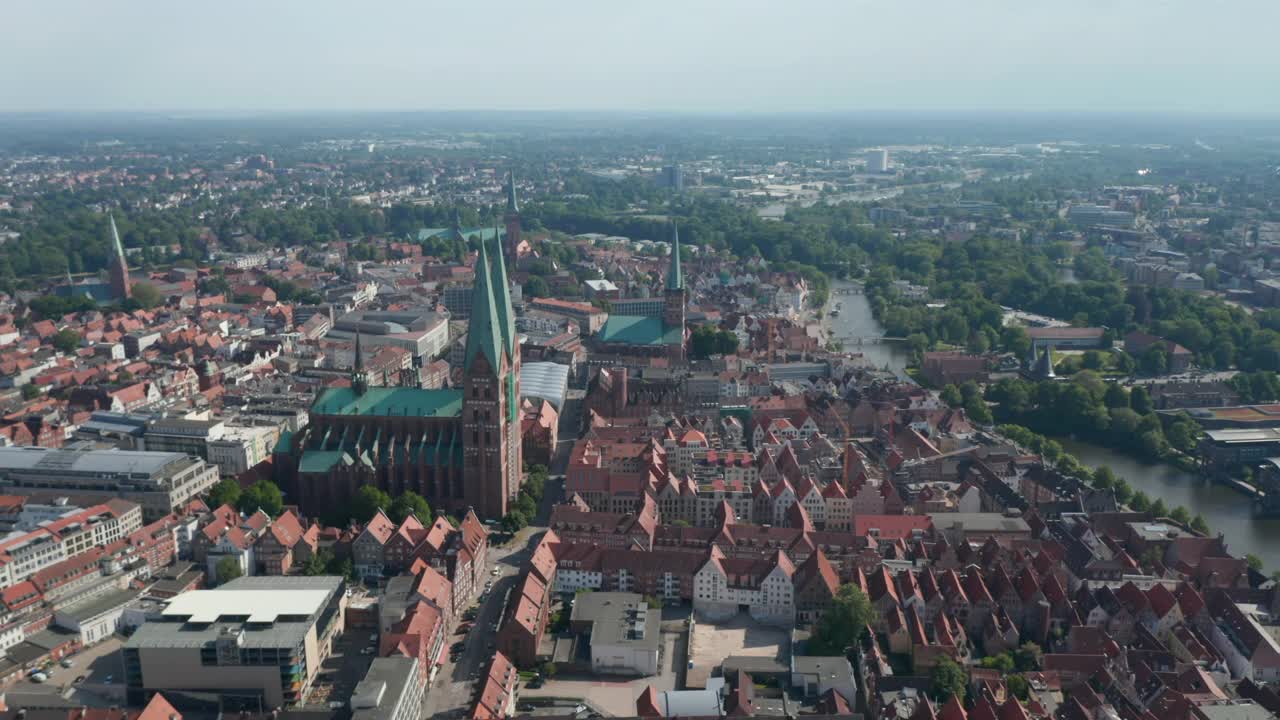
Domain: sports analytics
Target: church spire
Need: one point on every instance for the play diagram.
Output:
(115, 237)
(359, 378)
(484, 330)
(502, 295)
(675, 279)
(513, 206)
(121, 288)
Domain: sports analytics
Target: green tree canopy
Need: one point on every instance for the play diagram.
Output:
(226, 492)
(228, 569)
(263, 495)
(843, 623)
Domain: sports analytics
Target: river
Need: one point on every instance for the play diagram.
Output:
(855, 320)
(1226, 510)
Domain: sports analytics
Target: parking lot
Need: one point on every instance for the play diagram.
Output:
(713, 642)
(344, 667)
(95, 678)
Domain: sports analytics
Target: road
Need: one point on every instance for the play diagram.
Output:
(456, 684)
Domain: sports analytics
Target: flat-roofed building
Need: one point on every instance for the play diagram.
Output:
(158, 481)
(624, 632)
(390, 690)
(255, 643)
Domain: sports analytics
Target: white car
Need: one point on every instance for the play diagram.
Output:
(38, 677)
(496, 572)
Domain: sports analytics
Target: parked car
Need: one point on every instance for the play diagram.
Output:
(336, 704)
(66, 662)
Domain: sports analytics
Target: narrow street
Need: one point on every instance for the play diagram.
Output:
(454, 689)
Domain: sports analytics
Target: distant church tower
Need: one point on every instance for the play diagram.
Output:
(119, 271)
(359, 377)
(492, 458)
(511, 244)
(675, 297)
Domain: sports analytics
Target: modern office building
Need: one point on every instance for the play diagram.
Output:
(877, 160)
(255, 643)
(158, 481)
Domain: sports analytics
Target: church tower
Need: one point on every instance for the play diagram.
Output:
(491, 392)
(119, 271)
(675, 297)
(359, 377)
(511, 245)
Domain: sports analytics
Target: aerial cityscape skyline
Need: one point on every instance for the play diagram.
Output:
(577, 360)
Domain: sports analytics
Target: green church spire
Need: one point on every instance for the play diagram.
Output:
(675, 279)
(484, 331)
(512, 205)
(502, 295)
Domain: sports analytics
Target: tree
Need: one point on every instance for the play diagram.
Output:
(228, 569)
(1140, 502)
(514, 521)
(1125, 364)
(1104, 478)
(1154, 360)
(410, 503)
(226, 492)
(1015, 339)
(1140, 400)
(1018, 686)
(947, 680)
(1180, 515)
(1253, 561)
(1115, 396)
(537, 287)
(1027, 657)
(951, 396)
(843, 623)
(1002, 662)
(1199, 525)
(548, 669)
(67, 340)
(319, 563)
(262, 495)
(146, 295)
(707, 340)
(30, 391)
(367, 502)
(978, 411)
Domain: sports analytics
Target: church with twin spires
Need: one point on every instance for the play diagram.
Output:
(456, 447)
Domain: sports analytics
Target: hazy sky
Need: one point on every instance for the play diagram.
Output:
(739, 55)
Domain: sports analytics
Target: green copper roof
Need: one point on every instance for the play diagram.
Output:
(282, 445)
(675, 279)
(450, 233)
(502, 300)
(512, 205)
(319, 461)
(639, 330)
(115, 237)
(484, 331)
(402, 401)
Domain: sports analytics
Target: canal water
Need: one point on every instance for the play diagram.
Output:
(855, 320)
(1226, 510)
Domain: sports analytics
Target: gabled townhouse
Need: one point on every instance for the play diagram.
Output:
(367, 551)
(763, 587)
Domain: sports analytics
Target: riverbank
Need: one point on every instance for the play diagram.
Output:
(1225, 509)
